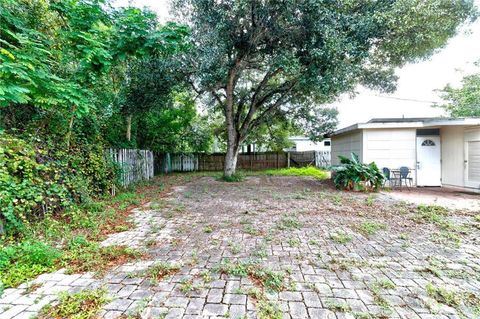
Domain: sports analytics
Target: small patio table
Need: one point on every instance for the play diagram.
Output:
(397, 177)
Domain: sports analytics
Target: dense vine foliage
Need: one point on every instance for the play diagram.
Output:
(75, 80)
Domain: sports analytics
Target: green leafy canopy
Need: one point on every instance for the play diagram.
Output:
(463, 101)
(261, 59)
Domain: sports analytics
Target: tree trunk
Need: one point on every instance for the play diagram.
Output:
(70, 125)
(129, 128)
(231, 157)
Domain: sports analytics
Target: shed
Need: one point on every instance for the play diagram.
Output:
(438, 151)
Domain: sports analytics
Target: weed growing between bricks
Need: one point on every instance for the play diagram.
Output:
(264, 279)
(81, 305)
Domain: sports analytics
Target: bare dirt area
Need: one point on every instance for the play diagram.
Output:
(291, 247)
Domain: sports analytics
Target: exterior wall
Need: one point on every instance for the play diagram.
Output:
(472, 134)
(452, 155)
(305, 145)
(345, 144)
(390, 148)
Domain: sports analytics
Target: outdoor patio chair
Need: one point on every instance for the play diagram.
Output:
(405, 176)
(389, 177)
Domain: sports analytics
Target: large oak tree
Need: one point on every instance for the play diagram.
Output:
(258, 59)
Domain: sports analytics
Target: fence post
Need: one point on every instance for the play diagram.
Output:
(288, 159)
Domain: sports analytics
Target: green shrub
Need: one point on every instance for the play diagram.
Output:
(354, 175)
(26, 260)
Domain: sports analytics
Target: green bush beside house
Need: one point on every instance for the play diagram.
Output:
(351, 174)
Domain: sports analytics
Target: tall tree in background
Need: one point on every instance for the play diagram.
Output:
(463, 101)
(259, 59)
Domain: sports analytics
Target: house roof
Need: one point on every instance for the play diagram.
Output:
(412, 122)
(303, 138)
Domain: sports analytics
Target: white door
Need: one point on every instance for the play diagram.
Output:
(428, 161)
(472, 164)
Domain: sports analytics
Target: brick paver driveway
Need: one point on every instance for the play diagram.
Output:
(283, 247)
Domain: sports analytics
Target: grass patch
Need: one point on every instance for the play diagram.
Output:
(445, 296)
(340, 237)
(208, 229)
(289, 222)
(371, 228)
(266, 309)
(261, 251)
(234, 178)
(297, 171)
(431, 213)
(455, 298)
(449, 233)
(338, 306)
(82, 305)
(293, 242)
(158, 271)
(438, 267)
(386, 284)
(33, 254)
(187, 286)
(377, 292)
(263, 277)
(234, 247)
(370, 200)
(251, 230)
(346, 263)
(446, 237)
(85, 256)
(23, 261)
(337, 200)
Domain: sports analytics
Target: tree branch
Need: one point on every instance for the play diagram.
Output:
(259, 119)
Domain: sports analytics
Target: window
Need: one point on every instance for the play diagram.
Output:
(428, 143)
(326, 143)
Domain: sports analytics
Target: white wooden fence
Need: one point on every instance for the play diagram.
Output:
(135, 165)
(323, 158)
(184, 162)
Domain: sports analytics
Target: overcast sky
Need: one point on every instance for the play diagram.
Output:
(417, 84)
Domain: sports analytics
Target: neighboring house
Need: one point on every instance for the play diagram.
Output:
(304, 144)
(438, 151)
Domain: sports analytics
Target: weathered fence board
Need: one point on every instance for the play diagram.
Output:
(323, 158)
(255, 161)
(165, 163)
(135, 165)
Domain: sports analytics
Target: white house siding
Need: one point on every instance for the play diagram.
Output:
(452, 155)
(345, 144)
(306, 145)
(472, 175)
(390, 148)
